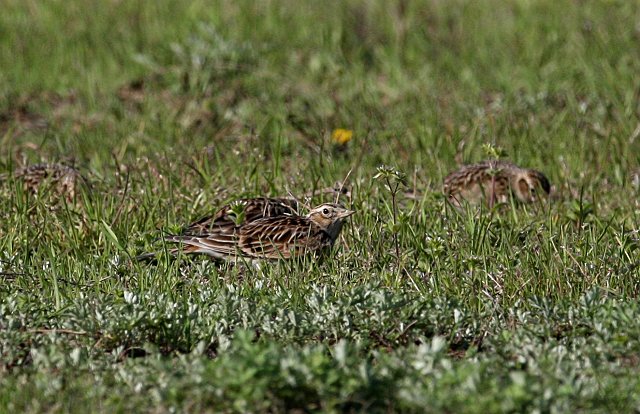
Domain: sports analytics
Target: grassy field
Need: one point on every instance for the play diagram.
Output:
(172, 109)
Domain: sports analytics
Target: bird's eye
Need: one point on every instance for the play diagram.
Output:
(325, 211)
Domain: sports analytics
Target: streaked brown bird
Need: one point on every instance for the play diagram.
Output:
(60, 179)
(247, 210)
(278, 237)
(496, 182)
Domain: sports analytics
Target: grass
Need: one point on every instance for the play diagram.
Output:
(173, 108)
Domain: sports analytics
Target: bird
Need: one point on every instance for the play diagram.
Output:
(496, 182)
(60, 179)
(249, 209)
(283, 236)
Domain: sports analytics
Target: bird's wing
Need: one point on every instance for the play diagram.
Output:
(220, 221)
(218, 245)
(281, 237)
(225, 220)
(259, 208)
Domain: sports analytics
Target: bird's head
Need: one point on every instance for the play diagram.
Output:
(531, 185)
(329, 217)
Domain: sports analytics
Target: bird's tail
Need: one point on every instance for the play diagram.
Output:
(153, 256)
(146, 257)
(219, 247)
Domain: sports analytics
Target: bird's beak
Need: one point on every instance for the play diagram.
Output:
(346, 213)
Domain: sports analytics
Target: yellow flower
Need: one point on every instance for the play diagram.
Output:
(341, 136)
